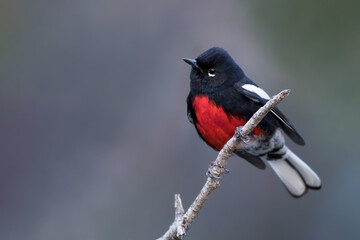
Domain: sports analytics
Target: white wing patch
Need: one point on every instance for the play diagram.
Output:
(260, 92)
(257, 90)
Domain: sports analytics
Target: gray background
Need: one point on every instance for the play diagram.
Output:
(94, 139)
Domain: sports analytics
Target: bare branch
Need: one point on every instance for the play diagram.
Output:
(179, 213)
(183, 221)
(179, 210)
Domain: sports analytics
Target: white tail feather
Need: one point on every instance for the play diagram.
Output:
(295, 174)
(310, 177)
(289, 176)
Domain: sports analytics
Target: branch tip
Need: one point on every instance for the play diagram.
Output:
(179, 209)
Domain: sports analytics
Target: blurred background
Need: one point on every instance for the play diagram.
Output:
(94, 138)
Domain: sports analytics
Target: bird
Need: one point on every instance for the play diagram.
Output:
(223, 98)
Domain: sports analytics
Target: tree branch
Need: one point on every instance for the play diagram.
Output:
(183, 221)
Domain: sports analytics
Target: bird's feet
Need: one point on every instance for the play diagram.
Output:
(245, 139)
(210, 172)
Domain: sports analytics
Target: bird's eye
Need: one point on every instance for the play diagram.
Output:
(211, 72)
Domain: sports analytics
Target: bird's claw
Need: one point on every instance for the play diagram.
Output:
(211, 174)
(245, 139)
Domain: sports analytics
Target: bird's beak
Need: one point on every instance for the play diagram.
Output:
(193, 63)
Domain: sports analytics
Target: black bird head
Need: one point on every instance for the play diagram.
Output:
(212, 70)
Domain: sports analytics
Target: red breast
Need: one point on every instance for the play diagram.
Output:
(214, 125)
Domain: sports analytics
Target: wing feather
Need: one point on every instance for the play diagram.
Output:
(258, 95)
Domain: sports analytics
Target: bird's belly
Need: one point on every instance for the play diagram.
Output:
(214, 125)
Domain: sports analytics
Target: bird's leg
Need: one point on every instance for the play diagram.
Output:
(245, 139)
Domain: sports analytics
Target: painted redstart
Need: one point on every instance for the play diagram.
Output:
(222, 98)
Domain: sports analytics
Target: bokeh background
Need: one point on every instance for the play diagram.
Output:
(94, 139)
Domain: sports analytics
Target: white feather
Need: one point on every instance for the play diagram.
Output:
(310, 177)
(289, 176)
(257, 90)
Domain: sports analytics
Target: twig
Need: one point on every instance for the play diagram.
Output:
(183, 221)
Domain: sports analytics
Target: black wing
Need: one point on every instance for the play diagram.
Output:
(285, 124)
(254, 160)
(190, 110)
(189, 117)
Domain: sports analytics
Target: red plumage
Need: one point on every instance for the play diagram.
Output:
(214, 124)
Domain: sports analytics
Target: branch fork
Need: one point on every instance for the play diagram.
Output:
(183, 220)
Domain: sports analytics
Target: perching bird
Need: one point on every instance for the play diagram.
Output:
(222, 98)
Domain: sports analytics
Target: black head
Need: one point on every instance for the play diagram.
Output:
(212, 70)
